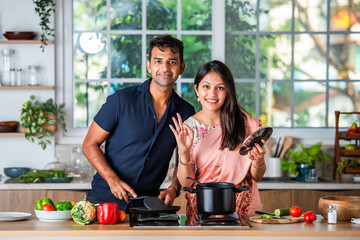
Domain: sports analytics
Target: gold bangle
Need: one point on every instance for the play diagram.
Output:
(263, 165)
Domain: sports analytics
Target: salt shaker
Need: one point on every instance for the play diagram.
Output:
(332, 215)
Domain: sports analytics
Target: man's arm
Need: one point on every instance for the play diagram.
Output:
(173, 190)
(91, 148)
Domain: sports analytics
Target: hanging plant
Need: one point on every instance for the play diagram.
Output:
(44, 8)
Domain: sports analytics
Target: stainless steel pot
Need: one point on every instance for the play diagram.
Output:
(216, 197)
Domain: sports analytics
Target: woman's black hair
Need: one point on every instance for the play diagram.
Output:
(167, 41)
(232, 117)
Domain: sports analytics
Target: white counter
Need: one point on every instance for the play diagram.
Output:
(86, 185)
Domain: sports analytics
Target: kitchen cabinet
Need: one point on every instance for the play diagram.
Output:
(24, 200)
(339, 151)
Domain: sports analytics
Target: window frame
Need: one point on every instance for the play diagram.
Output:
(64, 68)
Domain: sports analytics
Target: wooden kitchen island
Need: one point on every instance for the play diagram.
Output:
(34, 229)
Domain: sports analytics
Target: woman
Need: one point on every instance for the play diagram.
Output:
(209, 141)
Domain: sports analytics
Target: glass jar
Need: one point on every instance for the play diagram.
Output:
(6, 62)
(12, 77)
(33, 76)
(81, 165)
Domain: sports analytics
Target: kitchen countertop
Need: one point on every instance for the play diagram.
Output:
(266, 184)
(33, 229)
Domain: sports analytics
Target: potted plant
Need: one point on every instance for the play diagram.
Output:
(304, 159)
(39, 119)
(44, 8)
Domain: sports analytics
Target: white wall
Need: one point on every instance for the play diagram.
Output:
(19, 15)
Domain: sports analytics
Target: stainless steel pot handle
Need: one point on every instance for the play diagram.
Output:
(242, 188)
(189, 189)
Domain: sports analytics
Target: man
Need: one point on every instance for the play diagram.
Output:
(135, 124)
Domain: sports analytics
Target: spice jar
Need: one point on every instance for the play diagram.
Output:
(332, 215)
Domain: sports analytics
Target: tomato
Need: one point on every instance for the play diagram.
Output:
(351, 130)
(47, 207)
(309, 217)
(122, 216)
(295, 211)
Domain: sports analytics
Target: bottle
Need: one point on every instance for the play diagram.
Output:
(332, 215)
(12, 77)
(18, 77)
(33, 76)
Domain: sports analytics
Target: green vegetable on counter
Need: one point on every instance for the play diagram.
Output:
(63, 206)
(34, 176)
(267, 216)
(41, 202)
(282, 212)
(58, 173)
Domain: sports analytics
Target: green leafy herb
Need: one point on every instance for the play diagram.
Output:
(34, 176)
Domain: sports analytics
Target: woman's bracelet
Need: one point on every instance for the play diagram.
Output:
(185, 164)
(260, 167)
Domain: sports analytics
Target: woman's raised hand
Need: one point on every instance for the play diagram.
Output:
(184, 135)
(258, 152)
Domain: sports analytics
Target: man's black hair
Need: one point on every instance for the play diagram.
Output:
(167, 41)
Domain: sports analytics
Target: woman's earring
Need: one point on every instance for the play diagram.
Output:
(198, 99)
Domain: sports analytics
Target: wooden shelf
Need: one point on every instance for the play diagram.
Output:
(352, 170)
(12, 134)
(348, 153)
(27, 87)
(349, 136)
(24, 42)
(340, 152)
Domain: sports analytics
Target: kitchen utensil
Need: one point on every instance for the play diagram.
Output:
(9, 126)
(19, 35)
(15, 172)
(58, 179)
(255, 137)
(196, 181)
(285, 146)
(269, 145)
(277, 148)
(144, 210)
(259, 219)
(53, 216)
(154, 203)
(272, 214)
(13, 216)
(216, 198)
(347, 207)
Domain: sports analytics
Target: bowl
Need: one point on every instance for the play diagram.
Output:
(19, 35)
(9, 126)
(53, 216)
(15, 172)
(347, 207)
(58, 179)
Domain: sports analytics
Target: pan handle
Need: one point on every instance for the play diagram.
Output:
(242, 188)
(189, 189)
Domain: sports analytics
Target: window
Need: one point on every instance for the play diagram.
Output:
(294, 62)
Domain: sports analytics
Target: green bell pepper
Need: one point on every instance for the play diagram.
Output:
(58, 173)
(43, 201)
(63, 206)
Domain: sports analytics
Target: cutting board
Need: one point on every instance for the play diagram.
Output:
(259, 219)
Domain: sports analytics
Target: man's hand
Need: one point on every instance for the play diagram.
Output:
(122, 190)
(168, 196)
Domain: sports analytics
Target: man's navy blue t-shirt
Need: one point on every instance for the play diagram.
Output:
(137, 149)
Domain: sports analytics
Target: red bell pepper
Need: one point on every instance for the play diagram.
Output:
(107, 213)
